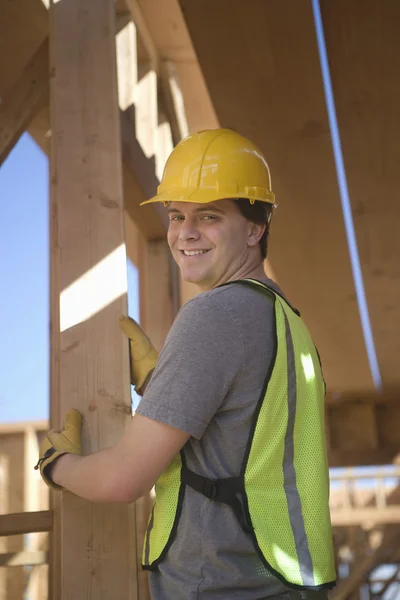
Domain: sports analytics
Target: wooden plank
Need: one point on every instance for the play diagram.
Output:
(138, 103)
(23, 559)
(94, 553)
(3, 509)
(362, 432)
(364, 69)
(23, 27)
(140, 183)
(157, 279)
(19, 427)
(174, 101)
(363, 456)
(21, 104)
(159, 302)
(36, 498)
(367, 517)
(26, 522)
(158, 276)
(347, 586)
(158, 291)
(162, 22)
(145, 34)
(13, 445)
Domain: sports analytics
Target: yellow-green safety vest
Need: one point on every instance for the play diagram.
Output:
(281, 497)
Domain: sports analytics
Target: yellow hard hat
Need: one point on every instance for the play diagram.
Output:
(212, 165)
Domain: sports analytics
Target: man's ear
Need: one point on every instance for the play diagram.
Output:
(255, 234)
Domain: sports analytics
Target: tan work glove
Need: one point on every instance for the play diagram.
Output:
(143, 355)
(55, 444)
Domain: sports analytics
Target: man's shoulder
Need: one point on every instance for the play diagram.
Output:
(234, 290)
(231, 298)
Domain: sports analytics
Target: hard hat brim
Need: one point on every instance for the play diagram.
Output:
(202, 196)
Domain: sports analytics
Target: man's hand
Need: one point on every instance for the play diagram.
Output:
(143, 355)
(55, 444)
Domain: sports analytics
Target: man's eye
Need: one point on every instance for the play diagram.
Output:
(176, 218)
(208, 217)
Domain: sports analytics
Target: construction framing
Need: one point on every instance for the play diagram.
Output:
(107, 89)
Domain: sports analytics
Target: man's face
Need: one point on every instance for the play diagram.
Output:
(209, 242)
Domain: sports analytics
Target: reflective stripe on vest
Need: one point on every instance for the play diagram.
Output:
(284, 477)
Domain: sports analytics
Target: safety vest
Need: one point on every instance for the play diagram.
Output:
(281, 497)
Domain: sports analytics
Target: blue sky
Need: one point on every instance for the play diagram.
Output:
(24, 299)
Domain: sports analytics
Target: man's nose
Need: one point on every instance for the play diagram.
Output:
(188, 231)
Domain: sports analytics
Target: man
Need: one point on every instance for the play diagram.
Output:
(230, 425)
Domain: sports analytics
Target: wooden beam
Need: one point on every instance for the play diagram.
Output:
(347, 586)
(21, 104)
(363, 432)
(20, 427)
(165, 36)
(3, 509)
(159, 290)
(26, 522)
(35, 493)
(13, 446)
(174, 101)
(386, 583)
(138, 104)
(369, 517)
(23, 559)
(145, 34)
(140, 183)
(158, 280)
(94, 550)
(159, 303)
(165, 71)
(364, 68)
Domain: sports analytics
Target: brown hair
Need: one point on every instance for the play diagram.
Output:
(259, 213)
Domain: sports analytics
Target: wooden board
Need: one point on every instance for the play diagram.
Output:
(24, 100)
(12, 447)
(94, 554)
(364, 57)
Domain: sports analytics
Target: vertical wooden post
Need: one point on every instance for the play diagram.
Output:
(37, 578)
(12, 446)
(3, 511)
(159, 300)
(94, 553)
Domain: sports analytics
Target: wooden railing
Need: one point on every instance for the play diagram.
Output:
(365, 498)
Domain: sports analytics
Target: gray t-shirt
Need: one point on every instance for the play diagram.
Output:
(207, 382)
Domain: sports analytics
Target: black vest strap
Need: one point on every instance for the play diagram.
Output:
(229, 491)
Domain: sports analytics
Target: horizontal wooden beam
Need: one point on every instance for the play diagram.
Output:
(362, 456)
(27, 522)
(361, 432)
(349, 517)
(23, 559)
(24, 100)
(21, 427)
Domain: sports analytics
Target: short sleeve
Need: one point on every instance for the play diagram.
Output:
(201, 358)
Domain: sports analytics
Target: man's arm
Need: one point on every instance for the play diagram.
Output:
(126, 471)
